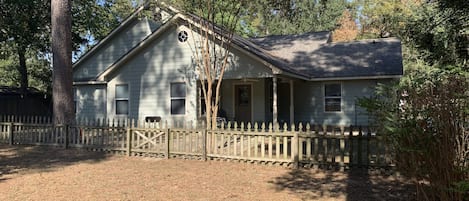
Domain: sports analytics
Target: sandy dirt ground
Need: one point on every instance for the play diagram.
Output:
(45, 173)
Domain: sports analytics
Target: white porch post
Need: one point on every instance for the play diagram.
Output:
(274, 101)
(292, 104)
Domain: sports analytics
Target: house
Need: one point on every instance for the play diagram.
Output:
(145, 68)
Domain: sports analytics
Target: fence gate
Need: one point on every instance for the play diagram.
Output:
(148, 142)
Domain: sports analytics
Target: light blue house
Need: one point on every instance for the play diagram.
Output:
(145, 69)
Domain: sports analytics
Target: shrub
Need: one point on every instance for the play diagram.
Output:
(426, 121)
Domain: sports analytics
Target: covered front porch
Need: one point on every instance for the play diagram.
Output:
(256, 100)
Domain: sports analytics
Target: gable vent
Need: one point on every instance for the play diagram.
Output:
(183, 36)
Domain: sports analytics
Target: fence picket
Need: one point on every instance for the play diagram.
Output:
(342, 148)
(259, 141)
(263, 141)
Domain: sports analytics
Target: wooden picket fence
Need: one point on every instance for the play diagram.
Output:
(302, 145)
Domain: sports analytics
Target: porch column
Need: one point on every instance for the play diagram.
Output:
(292, 104)
(274, 101)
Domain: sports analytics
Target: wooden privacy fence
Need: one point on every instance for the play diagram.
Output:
(304, 145)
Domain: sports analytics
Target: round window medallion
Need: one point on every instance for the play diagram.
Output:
(182, 36)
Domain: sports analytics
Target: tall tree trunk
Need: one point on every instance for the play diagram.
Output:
(63, 108)
(22, 69)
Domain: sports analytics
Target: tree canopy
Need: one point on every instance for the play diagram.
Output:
(25, 35)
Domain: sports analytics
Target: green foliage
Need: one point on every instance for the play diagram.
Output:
(270, 17)
(425, 119)
(38, 68)
(440, 33)
(25, 27)
(273, 17)
(383, 17)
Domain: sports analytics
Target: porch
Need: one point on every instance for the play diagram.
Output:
(256, 100)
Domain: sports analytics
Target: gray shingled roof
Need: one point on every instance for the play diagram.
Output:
(314, 56)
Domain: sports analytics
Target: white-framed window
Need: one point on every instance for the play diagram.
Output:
(178, 98)
(122, 99)
(202, 105)
(333, 97)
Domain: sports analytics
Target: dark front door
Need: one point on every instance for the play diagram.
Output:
(243, 103)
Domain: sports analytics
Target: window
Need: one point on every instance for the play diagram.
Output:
(122, 99)
(178, 98)
(203, 107)
(75, 100)
(332, 97)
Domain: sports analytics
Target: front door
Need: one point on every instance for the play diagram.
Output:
(243, 103)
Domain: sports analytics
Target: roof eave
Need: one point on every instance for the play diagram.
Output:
(373, 77)
(275, 70)
(135, 50)
(125, 23)
(89, 83)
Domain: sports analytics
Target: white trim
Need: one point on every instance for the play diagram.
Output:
(324, 97)
(274, 100)
(89, 83)
(275, 70)
(109, 36)
(178, 98)
(234, 99)
(292, 103)
(149, 39)
(75, 98)
(162, 29)
(114, 101)
(357, 78)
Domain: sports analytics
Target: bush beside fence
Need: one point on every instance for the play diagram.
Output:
(303, 145)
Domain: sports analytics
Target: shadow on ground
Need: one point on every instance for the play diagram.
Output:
(350, 185)
(32, 159)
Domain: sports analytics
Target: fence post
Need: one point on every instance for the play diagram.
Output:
(67, 129)
(368, 155)
(360, 151)
(168, 133)
(295, 145)
(129, 141)
(351, 148)
(204, 144)
(10, 133)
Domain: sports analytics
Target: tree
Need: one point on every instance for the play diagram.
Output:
(425, 121)
(214, 23)
(93, 20)
(273, 17)
(25, 27)
(22, 23)
(347, 30)
(425, 116)
(379, 18)
(440, 33)
(63, 109)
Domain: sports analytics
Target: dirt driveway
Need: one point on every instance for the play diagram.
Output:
(41, 173)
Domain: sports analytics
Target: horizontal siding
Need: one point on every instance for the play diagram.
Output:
(309, 103)
(114, 49)
(167, 60)
(240, 65)
(150, 74)
(91, 102)
(244, 66)
(258, 97)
